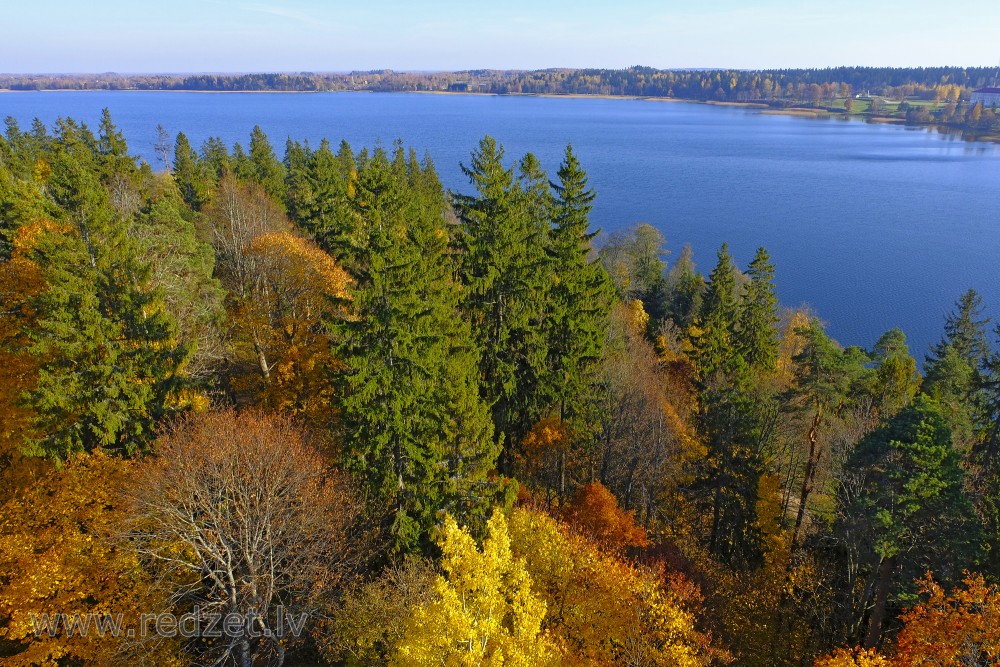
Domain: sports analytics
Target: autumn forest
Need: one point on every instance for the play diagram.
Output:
(383, 423)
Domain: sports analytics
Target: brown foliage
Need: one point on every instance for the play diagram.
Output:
(646, 442)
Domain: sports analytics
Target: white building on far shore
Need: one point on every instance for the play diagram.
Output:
(990, 97)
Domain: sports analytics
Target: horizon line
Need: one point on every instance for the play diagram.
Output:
(375, 70)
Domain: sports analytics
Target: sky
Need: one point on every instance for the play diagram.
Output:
(173, 36)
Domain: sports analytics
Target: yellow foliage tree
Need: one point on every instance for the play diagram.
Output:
(484, 612)
(602, 609)
(792, 343)
(857, 657)
(544, 457)
(280, 331)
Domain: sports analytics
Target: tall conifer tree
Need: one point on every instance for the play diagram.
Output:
(503, 270)
(417, 432)
(757, 338)
(581, 293)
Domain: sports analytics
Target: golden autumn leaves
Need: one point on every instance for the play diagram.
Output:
(538, 594)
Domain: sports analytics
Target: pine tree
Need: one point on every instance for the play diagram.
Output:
(822, 378)
(416, 431)
(903, 512)
(894, 381)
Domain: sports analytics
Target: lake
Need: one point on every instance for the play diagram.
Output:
(873, 225)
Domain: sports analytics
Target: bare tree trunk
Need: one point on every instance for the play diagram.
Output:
(885, 569)
(808, 480)
(809, 475)
(265, 369)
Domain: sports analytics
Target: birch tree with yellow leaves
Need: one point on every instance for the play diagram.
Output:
(485, 613)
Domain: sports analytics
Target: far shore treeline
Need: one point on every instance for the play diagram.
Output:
(917, 95)
(444, 429)
(724, 85)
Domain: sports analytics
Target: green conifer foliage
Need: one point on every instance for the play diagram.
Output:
(904, 511)
(504, 272)
(110, 352)
(757, 339)
(416, 431)
(581, 294)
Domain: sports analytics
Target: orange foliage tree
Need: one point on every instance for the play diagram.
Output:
(57, 556)
(595, 512)
(20, 280)
(952, 630)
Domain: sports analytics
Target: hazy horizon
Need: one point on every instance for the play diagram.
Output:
(234, 36)
(466, 69)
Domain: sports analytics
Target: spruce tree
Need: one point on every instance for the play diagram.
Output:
(685, 289)
(757, 337)
(215, 159)
(714, 343)
(416, 431)
(951, 367)
(188, 175)
(984, 458)
(581, 294)
(264, 166)
(504, 273)
(732, 419)
(110, 358)
(964, 331)
(299, 193)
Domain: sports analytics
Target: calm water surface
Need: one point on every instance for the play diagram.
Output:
(874, 226)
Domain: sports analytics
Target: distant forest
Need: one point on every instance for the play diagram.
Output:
(816, 85)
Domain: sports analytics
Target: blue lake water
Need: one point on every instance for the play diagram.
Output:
(873, 226)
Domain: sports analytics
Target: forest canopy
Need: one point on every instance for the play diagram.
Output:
(446, 428)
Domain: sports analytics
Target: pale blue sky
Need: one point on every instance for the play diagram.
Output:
(336, 35)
